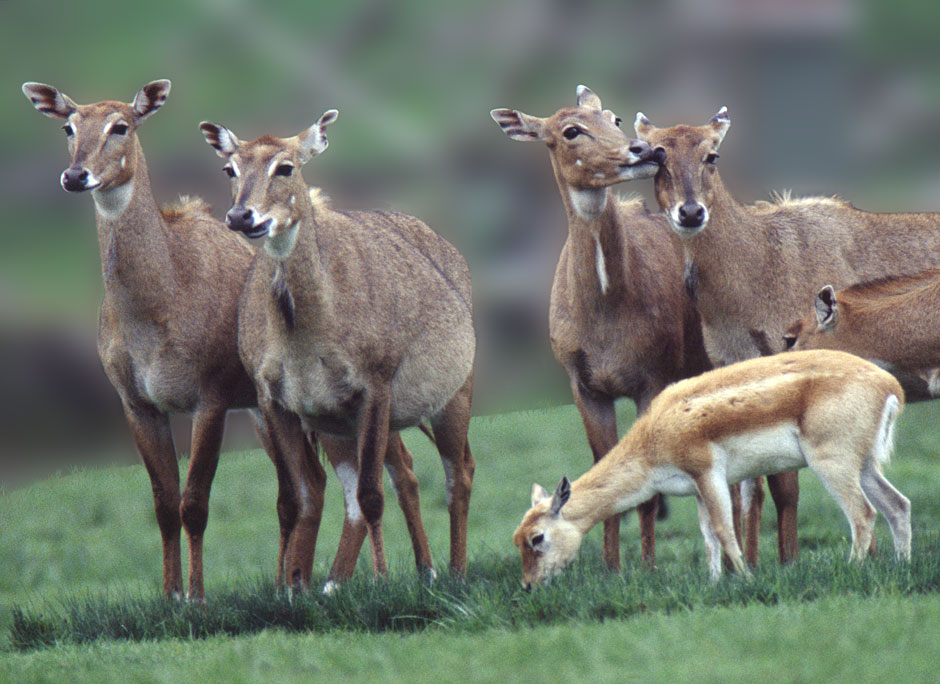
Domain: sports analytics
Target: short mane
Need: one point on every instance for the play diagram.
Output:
(186, 208)
(784, 199)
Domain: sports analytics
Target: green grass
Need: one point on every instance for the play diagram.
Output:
(80, 578)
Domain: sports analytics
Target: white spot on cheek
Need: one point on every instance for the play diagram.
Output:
(578, 162)
(123, 162)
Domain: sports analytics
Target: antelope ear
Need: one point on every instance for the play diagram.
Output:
(150, 98)
(643, 126)
(720, 123)
(519, 126)
(313, 140)
(220, 138)
(588, 98)
(539, 494)
(560, 497)
(827, 308)
(49, 101)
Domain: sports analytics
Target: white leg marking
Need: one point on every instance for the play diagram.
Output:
(349, 479)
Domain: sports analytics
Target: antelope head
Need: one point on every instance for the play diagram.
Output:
(269, 193)
(102, 137)
(545, 539)
(685, 184)
(809, 332)
(587, 146)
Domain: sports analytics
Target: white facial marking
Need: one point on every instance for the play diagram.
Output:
(598, 175)
(349, 479)
(113, 202)
(601, 266)
(578, 162)
(588, 203)
(123, 161)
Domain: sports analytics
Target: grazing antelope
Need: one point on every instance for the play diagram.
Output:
(355, 324)
(167, 321)
(753, 267)
(621, 323)
(894, 322)
(828, 410)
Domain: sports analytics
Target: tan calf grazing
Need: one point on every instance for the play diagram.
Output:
(828, 410)
(894, 322)
(353, 324)
(755, 266)
(165, 336)
(621, 323)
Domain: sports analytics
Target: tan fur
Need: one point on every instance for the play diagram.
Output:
(359, 325)
(167, 320)
(642, 333)
(758, 265)
(827, 410)
(894, 322)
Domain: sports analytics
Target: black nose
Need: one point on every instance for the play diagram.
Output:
(691, 215)
(641, 149)
(659, 155)
(240, 219)
(75, 179)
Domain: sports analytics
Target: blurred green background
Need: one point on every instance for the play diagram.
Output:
(825, 96)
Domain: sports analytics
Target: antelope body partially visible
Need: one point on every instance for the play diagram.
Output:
(754, 267)
(620, 321)
(827, 410)
(166, 329)
(894, 322)
(357, 325)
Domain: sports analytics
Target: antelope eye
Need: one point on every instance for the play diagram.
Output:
(68, 129)
(536, 540)
(229, 171)
(711, 158)
(788, 342)
(284, 170)
(618, 121)
(571, 132)
(119, 129)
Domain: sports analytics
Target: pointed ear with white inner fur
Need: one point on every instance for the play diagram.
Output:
(643, 126)
(560, 497)
(539, 494)
(150, 98)
(720, 123)
(219, 138)
(313, 140)
(827, 308)
(588, 98)
(49, 101)
(518, 125)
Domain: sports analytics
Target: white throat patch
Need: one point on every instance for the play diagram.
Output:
(281, 245)
(113, 202)
(588, 203)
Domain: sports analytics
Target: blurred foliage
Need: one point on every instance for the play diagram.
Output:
(834, 96)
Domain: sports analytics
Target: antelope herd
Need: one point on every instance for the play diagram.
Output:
(338, 329)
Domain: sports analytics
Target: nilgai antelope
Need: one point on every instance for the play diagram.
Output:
(167, 321)
(828, 410)
(754, 267)
(621, 323)
(894, 322)
(355, 324)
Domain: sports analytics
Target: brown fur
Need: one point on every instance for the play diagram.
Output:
(829, 410)
(758, 265)
(894, 322)
(381, 338)
(643, 332)
(165, 335)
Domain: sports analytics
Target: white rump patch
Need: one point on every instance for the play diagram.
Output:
(885, 439)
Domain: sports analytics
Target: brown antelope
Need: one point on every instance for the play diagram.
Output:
(171, 282)
(828, 410)
(355, 324)
(894, 322)
(753, 267)
(620, 321)
(166, 336)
